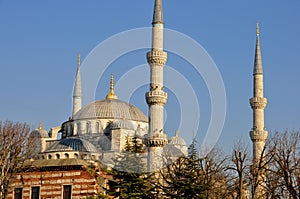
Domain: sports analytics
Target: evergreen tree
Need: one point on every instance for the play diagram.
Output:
(183, 178)
(128, 175)
(192, 150)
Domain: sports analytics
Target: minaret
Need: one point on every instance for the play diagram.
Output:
(258, 103)
(156, 98)
(77, 94)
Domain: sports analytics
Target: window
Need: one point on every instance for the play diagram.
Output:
(97, 127)
(76, 156)
(18, 193)
(67, 189)
(88, 127)
(66, 156)
(35, 192)
(78, 128)
(49, 157)
(57, 156)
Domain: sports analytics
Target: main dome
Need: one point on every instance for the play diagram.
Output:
(111, 109)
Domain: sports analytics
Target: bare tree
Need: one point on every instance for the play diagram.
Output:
(13, 144)
(259, 179)
(239, 168)
(284, 170)
(213, 166)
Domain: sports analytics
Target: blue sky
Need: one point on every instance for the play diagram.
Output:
(40, 40)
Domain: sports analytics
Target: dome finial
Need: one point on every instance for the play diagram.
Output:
(176, 133)
(40, 126)
(111, 95)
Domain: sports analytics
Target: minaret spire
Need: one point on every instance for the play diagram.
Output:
(156, 98)
(258, 60)
(158, 13)
(77, 93)
(258, 103)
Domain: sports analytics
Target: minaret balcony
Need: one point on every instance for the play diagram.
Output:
(258, 102)
(156, 140)
(156, 97)
(258, 135)
(157, 57)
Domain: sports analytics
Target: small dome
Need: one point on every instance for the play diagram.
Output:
(73, 144)
(40, 132)
(177, 140)
(170, 151)
(121, 124)
(111, 109)
(179, 143)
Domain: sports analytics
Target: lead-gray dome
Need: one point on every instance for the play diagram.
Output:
(111, 109)
(73, 144)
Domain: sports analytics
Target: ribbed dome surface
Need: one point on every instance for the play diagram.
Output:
(72, 144)
(111, 109)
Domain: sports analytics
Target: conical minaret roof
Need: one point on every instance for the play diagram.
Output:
(258, 61)
(158, 12)
(77, 93)
(77, 87)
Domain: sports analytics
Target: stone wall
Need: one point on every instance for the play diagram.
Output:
(51, 183)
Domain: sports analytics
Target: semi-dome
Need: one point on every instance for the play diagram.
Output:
(171, 151)
(111, 109)
(73, 144)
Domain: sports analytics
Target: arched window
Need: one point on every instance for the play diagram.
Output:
(49, 157)
(88, 128)
(57, 156)
(79, 128)
(93, 157)
(66, 156)
(76, 156)
(97, 127)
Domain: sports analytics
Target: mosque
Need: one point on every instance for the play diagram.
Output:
(98, 131)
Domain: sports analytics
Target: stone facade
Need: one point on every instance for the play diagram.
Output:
(55, 181)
